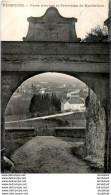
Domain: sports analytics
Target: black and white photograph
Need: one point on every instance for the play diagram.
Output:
(56, 86)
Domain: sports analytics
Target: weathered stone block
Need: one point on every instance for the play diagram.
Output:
(95, 128)
(51, 27)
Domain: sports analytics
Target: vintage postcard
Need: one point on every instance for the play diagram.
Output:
(55, 75)
(55, 97)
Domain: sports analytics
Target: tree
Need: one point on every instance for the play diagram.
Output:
(97, 34)
(32, 107)
(56, 102)
(44, 104)
(33, 88)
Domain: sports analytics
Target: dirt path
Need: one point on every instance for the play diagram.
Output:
(46, 154)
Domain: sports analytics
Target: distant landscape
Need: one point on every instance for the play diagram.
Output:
(42, 87)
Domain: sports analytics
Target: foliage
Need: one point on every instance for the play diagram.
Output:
(56, 102)
(97, 34)
(83, 93)
(44, 104)
(21, 108)
(33, 88)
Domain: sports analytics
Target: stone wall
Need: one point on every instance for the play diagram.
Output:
(75, 132)
(95, 129)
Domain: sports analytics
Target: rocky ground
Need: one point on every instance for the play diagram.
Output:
(48, 154)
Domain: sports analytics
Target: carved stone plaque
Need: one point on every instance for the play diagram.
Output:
(51, 27)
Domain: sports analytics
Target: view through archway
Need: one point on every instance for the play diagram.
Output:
(58, 121)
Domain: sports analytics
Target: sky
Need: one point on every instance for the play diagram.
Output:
(54, 78)
(14, 24)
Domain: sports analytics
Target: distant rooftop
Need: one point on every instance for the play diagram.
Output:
(74, 100)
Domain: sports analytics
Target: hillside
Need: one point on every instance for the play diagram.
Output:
(50, 83)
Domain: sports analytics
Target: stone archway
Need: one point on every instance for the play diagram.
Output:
(16, 80)
(89, 62)
(21, 122)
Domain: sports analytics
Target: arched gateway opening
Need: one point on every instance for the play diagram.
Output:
(81, 122)
(89, 62)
